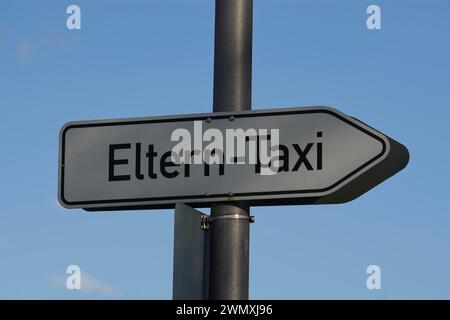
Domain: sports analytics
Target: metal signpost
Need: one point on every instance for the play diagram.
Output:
(324, 156)
(190, 254)
(232, 92)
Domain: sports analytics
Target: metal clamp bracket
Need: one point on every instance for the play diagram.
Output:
(207, 220)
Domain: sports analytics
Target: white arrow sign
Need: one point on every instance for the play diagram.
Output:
(324, 156)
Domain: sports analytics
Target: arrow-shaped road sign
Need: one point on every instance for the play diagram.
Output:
(325, 156)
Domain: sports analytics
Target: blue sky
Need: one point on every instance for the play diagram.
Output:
(155, 57)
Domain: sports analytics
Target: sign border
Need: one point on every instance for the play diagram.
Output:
(217, 115)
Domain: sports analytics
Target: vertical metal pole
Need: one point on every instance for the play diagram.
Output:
(229, 245)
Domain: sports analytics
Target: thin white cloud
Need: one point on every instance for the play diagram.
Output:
(24, 50)
(5, 245)
(89, 284)
(54, 38)
(2, 33)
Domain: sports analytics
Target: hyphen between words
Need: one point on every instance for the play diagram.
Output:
(258, 147)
